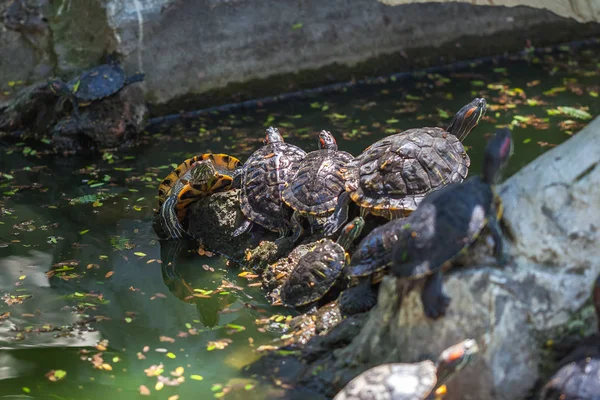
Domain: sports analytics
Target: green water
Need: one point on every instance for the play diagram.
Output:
(104, 255)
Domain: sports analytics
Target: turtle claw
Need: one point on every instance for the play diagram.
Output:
(435, 301)
(437, 309)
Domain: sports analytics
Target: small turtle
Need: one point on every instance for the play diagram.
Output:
(319, 269)
(192, 180)
(417, 381)
(579, 375)
(95, 84)
(392, 176)
(263, 177)
(314, 189)
(447, 222)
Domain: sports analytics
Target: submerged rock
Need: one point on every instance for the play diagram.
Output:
(551, 209)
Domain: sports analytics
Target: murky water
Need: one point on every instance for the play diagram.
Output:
(63, 262)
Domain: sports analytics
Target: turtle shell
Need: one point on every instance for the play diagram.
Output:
(395, 173)
(176, 180)
(98, 82)
(263, 179)
(374, 252)
(315, 273)
(576, 380)
(447, 221)
(392, 381)
(316, 185)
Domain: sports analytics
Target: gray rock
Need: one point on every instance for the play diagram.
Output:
(552, 207)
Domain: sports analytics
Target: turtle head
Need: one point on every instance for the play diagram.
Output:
(467, 118)
(203, 173)
(58, 87)
(454, 359)
(496, 155)
(327, 141)
(272, 136)
(350, 232)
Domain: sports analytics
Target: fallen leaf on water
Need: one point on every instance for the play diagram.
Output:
(144, 391)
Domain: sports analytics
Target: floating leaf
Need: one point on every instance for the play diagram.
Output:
(140, 254)
(197, 377)
(297, 26)
(171, 355)
(574, 112)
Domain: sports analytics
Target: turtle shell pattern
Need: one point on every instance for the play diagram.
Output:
(315, 273)
(576, 380)
(177, 179)
(264, 176)
(99, 82)
(396, 172)
(315, 187)
(374, 252)
(392, 382)
(446, 222)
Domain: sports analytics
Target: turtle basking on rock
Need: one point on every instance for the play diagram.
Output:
(95, 84)
(314, 189)
(417, 381)
(263, 178)
(447, 222)
(392, 176)
(318, 270)
(195, 178)
(579, 375)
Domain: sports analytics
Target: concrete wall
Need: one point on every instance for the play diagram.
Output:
(198, 53)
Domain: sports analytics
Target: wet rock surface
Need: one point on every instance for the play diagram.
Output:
(512, 312)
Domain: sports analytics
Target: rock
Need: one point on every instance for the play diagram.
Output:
(31, 110)
(551, 208)
(113, 121)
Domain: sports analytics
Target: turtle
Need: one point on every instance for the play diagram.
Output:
(447, 223)
(195, 178)
(392, 176)
(262, 179)
(314, 189)
(578, 377)
(416, 381)
(318, 270)
(95, 84)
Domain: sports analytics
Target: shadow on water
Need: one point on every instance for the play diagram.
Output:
(76, 242)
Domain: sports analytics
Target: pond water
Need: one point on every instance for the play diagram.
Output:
(76, 240)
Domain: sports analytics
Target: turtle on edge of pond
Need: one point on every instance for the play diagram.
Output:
(95, 84)
(579, 375)
(195, 178)
(447, 222)
(416, 381)
(263, 177)
(317, 271)
(392, 176)
(314, 189)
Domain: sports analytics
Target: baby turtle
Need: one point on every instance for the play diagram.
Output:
(192, 180)
(319, 269)
(418, 381)
(579, 375)
(314, 189)
(95, 84)
(447, 222)
(392, 176)
(263, 178)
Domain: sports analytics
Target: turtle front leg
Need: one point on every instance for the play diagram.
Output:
(496, 232)
(435, 301)
(339, 216)
(244, 227)
(282, 239)
(75, 104)
(297, 228)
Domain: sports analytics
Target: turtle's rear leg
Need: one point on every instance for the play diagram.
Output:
(297, 228)
(339, 216)
(358, 299)
(244, 227)
(435, 301)
(494, 228)
(134, 78)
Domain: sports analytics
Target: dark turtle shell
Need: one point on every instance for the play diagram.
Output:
(446, 222)
(374, 252)
(315, 273)
(99, 82)
(318, 182)
(576, 380)
(395, 173)
(263, 178)
(392, 381)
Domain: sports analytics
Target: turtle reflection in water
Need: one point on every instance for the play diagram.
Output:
(579, 375)
(418, 381)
